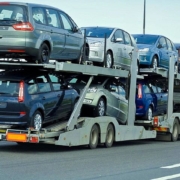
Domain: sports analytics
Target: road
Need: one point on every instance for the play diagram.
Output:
(131, 160)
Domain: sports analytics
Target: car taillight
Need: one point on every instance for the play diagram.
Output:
(139, 91)
(4, 3)
(23, 26)
(21, 92)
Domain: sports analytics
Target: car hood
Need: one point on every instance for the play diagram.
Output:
(142, 46)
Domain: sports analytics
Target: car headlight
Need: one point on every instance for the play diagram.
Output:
(144, 50)
(96, 44)
(92, 90)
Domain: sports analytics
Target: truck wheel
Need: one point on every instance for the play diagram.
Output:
(100, 109)
(94, 137)
(44, 54)
(175, 133)
(149, 113)
(36, 121)
(109, 136)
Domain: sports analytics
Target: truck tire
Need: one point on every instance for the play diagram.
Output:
(94, 137)
(109, 136)
(175, 132)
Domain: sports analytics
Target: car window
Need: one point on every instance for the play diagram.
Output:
(118, 34)
(10, 88)
(127, 39)
(32, 87)
(162, 43)
(153, 87)
(146, 89)
(169, 45)
(66, 21)
(43, 84)
(122, 91)
(12, 12)
(38, 15)
(53, 18)
(55, 82)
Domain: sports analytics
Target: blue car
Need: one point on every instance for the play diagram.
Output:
(151, 99)
(155, 50)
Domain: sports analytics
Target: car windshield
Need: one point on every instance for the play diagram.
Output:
(145, 39)
(98, 32)
(11, 14)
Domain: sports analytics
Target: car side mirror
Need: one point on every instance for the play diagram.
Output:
(118, 40)
(160, 46)
(75, 29)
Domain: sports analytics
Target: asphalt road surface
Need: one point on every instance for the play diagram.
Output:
(131, 160)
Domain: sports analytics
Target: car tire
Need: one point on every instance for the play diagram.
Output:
(149, 114)
(175, 132)
(109, 60)
(100, 109)
(44, 54)
(94, 137)
(36, 121)
(154, 63)
(109, 136)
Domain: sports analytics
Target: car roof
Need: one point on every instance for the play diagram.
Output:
(155, 35)
(30, 4)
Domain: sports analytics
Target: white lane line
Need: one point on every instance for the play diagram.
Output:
(167, 177)
(172, 166)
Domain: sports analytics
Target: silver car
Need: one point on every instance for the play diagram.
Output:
(118, 47)
(105, 96)
(38, 33)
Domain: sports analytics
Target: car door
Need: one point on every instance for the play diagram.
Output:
(123, 108)
(163, 52)
(117, 47)
(113, 100)
(56, 33)
(46, 97)
(163, 95)
(64, 98)
(171, 51)
(157, 93)
(128, 49)
(74, 38)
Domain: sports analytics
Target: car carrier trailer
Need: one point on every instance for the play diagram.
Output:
(99, 130)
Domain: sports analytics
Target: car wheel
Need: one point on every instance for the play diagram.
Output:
(149, 114)
(175, 133)
(94, 137)
(109, 136)
(44, 54)
(109, 60)
(36, 121)
(100, 109)
(154, 64)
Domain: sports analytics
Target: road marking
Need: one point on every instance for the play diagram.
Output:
(167, 177)
(172, 166)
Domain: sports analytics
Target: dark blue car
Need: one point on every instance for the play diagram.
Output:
(155, 50)
(151, 99)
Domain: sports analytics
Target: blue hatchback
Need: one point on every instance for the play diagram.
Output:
(151, 99)
(155, 50)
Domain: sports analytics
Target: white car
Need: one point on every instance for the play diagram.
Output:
(118, 46)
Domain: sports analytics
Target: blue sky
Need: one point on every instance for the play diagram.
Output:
(161, 15)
